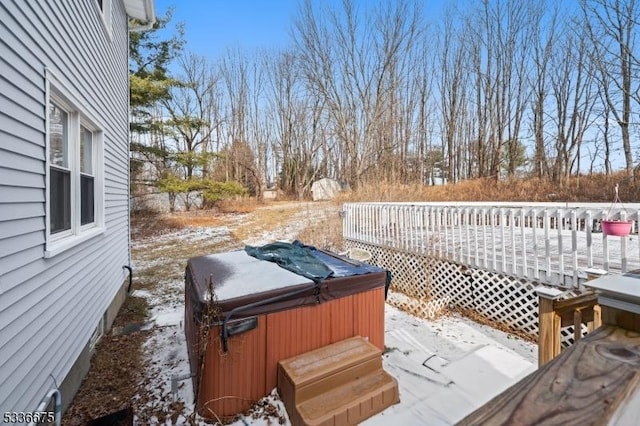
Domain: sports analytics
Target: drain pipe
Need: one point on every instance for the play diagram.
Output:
(53, 393)
(128, 268)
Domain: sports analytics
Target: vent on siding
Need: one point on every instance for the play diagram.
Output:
(97, 334)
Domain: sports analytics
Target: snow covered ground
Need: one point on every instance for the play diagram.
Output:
(446, 368)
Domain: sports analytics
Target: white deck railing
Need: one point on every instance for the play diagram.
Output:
(553, 243)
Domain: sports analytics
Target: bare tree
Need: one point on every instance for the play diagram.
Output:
(243, 82)
(425, 114)
(612, 26)
(452, 87)
(573, 92)
(506, 32)
(351, 62)
(191, 116)
(543, 45)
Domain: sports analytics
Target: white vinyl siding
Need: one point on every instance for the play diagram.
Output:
(50, 306)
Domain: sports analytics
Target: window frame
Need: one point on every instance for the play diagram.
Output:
(105, 14)
(68, 100)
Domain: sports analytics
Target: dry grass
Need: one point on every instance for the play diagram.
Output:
(269, 217)
(201, 218)
(325, 233)
(242, 205)
(596, 188)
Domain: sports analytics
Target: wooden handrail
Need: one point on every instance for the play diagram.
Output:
(556, 313)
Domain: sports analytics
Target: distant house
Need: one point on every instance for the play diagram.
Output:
(64, 188)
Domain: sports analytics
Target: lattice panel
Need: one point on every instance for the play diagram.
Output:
(411, 283)
(411, 272)
(505, 299)
(424, 286)
(452, 282)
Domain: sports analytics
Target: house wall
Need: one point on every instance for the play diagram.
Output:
(49, 307)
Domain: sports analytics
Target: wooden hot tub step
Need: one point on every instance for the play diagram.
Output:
(337, 383)
(352, 402)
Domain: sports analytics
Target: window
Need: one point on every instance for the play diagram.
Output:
(74, 173)
(87, 201)
(104, 8)
(59, 171)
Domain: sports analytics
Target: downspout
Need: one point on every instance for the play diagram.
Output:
(53, 393)
(150, 13)
(128, 268)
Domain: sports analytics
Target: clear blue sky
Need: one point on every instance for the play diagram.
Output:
(211, 26)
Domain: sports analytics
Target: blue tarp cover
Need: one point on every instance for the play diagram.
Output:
(309, 261)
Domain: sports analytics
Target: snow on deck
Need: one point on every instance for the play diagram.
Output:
(447, 368)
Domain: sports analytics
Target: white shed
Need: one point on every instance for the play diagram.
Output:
(325, 189)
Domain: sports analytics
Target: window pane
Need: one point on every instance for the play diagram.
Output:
(60, 197)
(86, 200)
(58, 139)
(86, 151)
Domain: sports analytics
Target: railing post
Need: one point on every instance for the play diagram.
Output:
(475, 236)
(548, 325)
(484, 238)
(493, 240)
(468, 232)
(525, 269)
(547, 244)
(346, 221)
(605, 248)
(574, 247)
(536, 261)
(503, 267)
(514, 259)
(559, 225)
(445, 225)
(386, 235)
(623, 246)
(453, 215)
(589, 233)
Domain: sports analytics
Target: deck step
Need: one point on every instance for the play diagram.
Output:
(352, 402)
(341, 383)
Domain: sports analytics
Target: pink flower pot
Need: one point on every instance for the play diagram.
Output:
(618, 228)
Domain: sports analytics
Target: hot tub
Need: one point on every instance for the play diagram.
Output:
(242, 315)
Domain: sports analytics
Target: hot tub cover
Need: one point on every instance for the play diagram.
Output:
(244, 285)
(310, 262)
